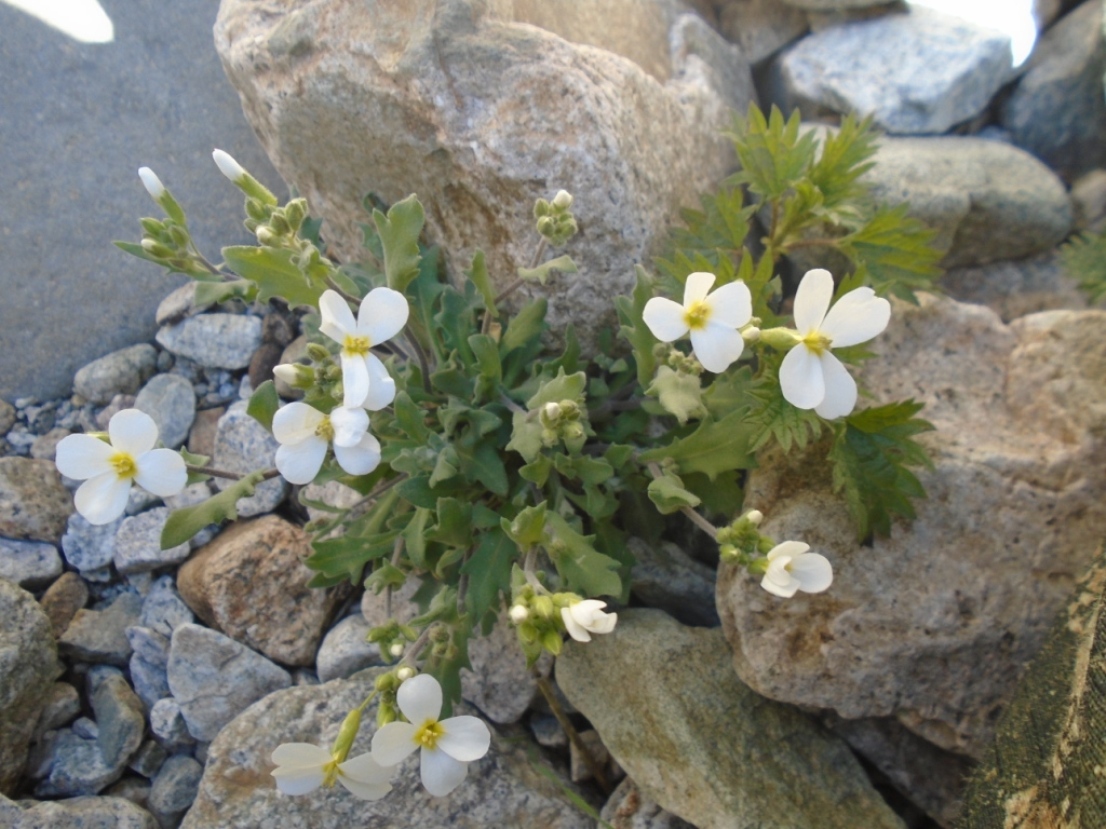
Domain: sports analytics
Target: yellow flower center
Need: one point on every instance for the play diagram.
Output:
(817, 342)
(325, 430)
(429, 734)
(696, 315)
(356, 346)
(124, 465)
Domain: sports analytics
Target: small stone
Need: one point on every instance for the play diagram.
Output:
(138, 543)
(213, 678)
(579, 770)
(29, 563)
(89, 547)
(201, 440)
(175, 787)
(177, 305)
(262, 362)
(76, 767)
(499, 683)
(61, 706)
(547, 731)
(666, 577)
(7, 416)
(345, 651)
(629, 807)
(1088, 201)
(88, 813)
(121, 372)
(171, 402)
(168, 726)
(34, 504)
(377, 609)
(121, 719)
(332, 493)
(134, 789)
(214, 340)
(149, 759)
(116, 405)
(164, 610)
(139, 500)
(243, 445)
(148, 664)
(45, 446)
(100, 635)
(62, 600)
(86, 728)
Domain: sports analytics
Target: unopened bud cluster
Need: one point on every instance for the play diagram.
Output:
(741, 542)
(537, 618)
(555, 221)
(168, 241)
(563, 421)
(319, 379)
(669, 355)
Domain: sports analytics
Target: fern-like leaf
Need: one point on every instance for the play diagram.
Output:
(897, 252)
(774, 155)
(846, 156)
(1085, 257)
(771, 417)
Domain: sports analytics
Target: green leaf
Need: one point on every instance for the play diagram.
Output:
(454, 527)
(489, 571)
(528, 527)
(192, 459)
(871, 452)
(409, 417)
(415, 537)
(772, 417)
(212, 293)
(773, 154)
(680, 394)
(715, 447)
(263, 404)
(185, 523)
(537, 472)
(634, 329)
(583, 568)
(562, 387)
(525, 326)
(478, 273)
(1085, 258)
(485, 466)
(897, 251)
(399, 233)
(846, 156)
(525, 436)
(668, 495)
(564, 264)
(275, 273)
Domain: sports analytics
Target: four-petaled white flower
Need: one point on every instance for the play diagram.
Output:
(304, 434)
(712, 318)
(382, 315)
(303, 767)
(586, 617)
(810, 376)
(109, 469)
(791, 568)
(448, 746)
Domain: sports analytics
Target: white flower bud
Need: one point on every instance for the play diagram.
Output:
(405, 673)
(519, 614)
(754, 517)
(286, 372)
(228, 166)
(750, 334)
(396, 649)
(562, 200)
(552, 411)
(151, 182)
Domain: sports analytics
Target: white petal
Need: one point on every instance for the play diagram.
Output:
(360, 459)
(296, 422)
(227, 165)
(83, 456)
(696, 287)
(665, 319)
(789, 549)
(298, 780)
(337, 317)
(465, 738)
(132, 431)
(151, 182)
(856, 318)
(801, 378)
(574, 628)
(783, 591)
(716, 346)
(300, 755)
(731, 305)
(162, 472)
(349, 425)
(441, 774)
(812, 300)
(813, 572)
(382, 315)
(355, 379)
(365, 791)
(394, 742)
(364, 777)
(102, 499)
(840, 389)
(299, 463)
(603, 622)
(420, 699)
(382, 388)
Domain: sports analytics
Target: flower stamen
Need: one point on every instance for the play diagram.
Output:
(697, 315)
(428, 735)
(325, 429)
(330, 772)
(124, 465)
(817, 342)
(356, 346)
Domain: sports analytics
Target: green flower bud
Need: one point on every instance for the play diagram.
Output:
(780, 339)
(152, 226)
(552, 642)
(257, 211)
(279, 224)
(265, 236)
(346, 735)
(543, 607)
(156, 249)
(295, 212)
(317, 352)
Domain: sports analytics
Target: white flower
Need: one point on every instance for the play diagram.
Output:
(713, 319)
(151, 182)
(303, 767)
(108, 469)
(810, 376)
(304, 433)
(587, 617)
(228, 166)
(382, 315)
(792, 568)
(448, 746)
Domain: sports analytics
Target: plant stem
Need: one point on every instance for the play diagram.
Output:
(696, 519)
(573, 735)
(222, 473)
(424, 363)
(514, 286)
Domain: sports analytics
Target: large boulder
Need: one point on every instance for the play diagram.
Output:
(934, 624)
(481, 107)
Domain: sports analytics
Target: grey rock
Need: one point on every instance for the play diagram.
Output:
(1057, 111)
(89, 547)
(243, 445)
(344, 650)
(120, 372)
(1088, 201)
(134, 789)
(780, 768)
(86, 728)
(120, 718)
(177, 305)
(168, 726)
(28, 668)
(214, 340)
(34, 505)
(499, 683)
(630, 808)
(547, 731)
(100, 635)
(175, 787)
(1014, 289)
(45, 446)
(7, 417)
(164, 610)
(149, 759)
(919, 72)
(987, 201)
(501, 789)
(580, 764)
(29, 563)
(138, 543)
(378, 608)
(149, 664)
(62, 600)
(834, 5)
(139, 500)
(76, 767)
(213, 678)
(666, 577)
(87, 813)
(760, 27)
(170, 401)
(61, 706)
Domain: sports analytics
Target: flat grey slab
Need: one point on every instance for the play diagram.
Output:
(76, 122)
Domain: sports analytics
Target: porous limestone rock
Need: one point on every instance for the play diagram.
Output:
(482, 107)
(934, 624)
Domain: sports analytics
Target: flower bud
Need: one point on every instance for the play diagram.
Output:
(396, 649)
(551, 411)
(266, 236)
(156, 249)
(347, 734)
(153, 227)
(781, 339)
(563, 200)
(228, 166)
(405, 673)
(750, 334)
(151, 182)
(543, 607)
(295, 212)
(385, 683)
(552, 642)
(279, 224)
(317, 352)
(519, 614)
(754, 517)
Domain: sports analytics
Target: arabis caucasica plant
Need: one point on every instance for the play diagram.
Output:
(506, 477)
